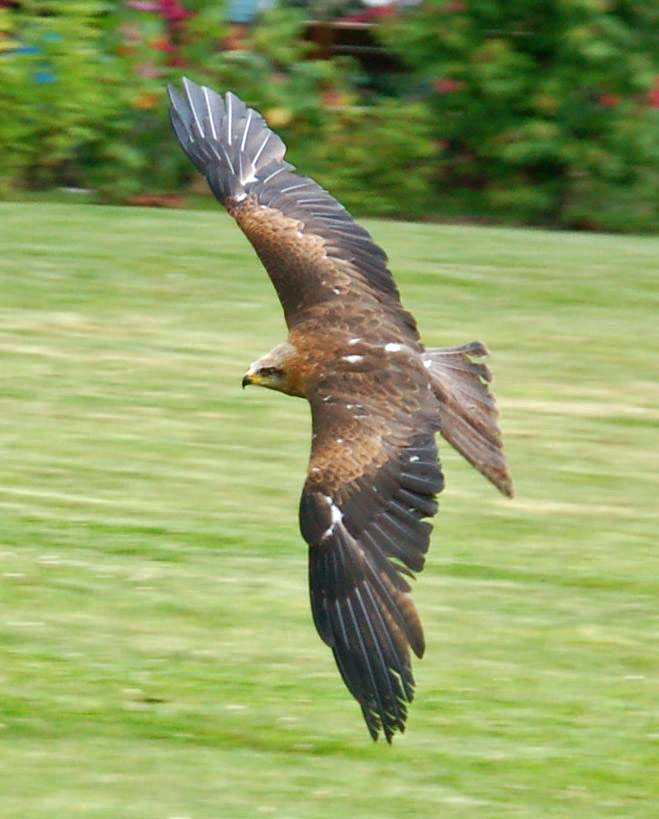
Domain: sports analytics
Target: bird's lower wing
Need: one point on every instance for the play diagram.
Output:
(361, 512)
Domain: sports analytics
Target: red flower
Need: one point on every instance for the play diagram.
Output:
(370, 15)
(653, 95)
(163, 44)
(447, 85)
(609, 100)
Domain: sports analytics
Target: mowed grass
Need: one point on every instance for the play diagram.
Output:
(158, 657)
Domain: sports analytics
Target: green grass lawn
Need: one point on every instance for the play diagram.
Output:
(157, 655)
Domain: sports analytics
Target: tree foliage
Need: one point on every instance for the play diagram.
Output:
(537, 112)
(543, 110)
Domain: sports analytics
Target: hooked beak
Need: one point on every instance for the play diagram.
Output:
(247, 379)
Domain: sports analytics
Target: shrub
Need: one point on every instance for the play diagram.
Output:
(83, 98)
(363, 154)
(377, 160)
(542, 108)
(544, 113)
(49, 90)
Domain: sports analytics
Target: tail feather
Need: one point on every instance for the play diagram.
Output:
(228, 142)
(468, 412)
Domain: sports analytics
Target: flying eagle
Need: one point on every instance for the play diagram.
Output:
(377, 397)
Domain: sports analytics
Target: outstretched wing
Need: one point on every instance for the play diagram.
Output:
(373, 476)
(312, 249)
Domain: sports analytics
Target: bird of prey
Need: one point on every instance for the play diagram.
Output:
(377, 398)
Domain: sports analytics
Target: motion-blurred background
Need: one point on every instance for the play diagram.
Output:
(528, 112)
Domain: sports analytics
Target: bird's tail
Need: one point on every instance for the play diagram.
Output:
(468, 413)
(228, 142)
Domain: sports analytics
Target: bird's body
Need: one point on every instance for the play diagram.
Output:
(377, 398)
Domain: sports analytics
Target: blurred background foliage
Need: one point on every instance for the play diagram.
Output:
(527, 112)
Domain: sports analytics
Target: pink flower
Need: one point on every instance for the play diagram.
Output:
(149, 72)
(142, 5)
(173, 11)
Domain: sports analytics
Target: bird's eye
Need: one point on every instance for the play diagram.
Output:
(268, 371)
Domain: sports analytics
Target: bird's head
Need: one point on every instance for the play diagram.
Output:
(271, 370)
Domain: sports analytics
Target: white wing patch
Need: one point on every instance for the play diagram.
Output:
(249, 119)
(337, 517)
(229, 117)
(192, 108)
(260, 150)
(210, 115)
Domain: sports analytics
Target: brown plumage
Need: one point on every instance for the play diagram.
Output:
(377, 398)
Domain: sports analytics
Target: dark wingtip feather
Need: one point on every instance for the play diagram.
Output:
(233, 147)
(363, 627)
(228, 142)
(172, 94)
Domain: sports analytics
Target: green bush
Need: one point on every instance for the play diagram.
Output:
(362, 154)
(48, 90)
(377, 160)
(541, 108)
(531, 112)
(83, 99)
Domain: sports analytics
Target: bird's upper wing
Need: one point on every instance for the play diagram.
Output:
(373, 476)
(312, 249)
